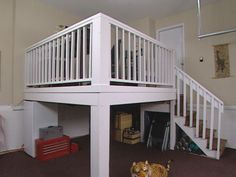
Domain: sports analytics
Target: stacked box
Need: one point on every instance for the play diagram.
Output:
(118, 135)
(131, 136)
(122, 121)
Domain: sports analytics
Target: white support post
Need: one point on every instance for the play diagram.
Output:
(100, 140)
(101, 51)
(172, 125)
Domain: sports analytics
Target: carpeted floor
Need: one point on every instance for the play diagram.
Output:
(19, 164)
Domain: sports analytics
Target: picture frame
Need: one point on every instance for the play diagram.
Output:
(221, 59)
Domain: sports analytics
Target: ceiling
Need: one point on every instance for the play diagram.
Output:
(125, 10)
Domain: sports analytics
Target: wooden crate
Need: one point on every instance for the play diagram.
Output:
(118, 134)
(131, 141)
(123, 120)
(131, 134)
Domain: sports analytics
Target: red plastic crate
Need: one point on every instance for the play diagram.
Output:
(52, 148)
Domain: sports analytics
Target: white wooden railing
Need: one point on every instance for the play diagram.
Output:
(197, 95)
(98, 50)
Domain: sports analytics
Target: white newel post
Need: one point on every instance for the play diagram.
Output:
(100, 140)
(101, 50)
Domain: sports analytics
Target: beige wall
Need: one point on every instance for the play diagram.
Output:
(23, 24)
(195, 48)
(6, 44)
(145, 25)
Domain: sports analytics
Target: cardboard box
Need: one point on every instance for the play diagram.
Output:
(123, 120)
(131, 141)
(118, 134)
(131, 135)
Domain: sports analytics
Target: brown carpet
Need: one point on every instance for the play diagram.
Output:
(19, 164)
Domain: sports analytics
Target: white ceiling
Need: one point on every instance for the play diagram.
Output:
(125, 10)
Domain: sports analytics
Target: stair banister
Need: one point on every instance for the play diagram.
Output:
(208, 97)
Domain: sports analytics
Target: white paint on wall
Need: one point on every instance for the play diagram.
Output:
(37, 115)
(11, 121)
(74, 119)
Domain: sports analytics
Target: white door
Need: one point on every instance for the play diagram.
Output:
(173, 37)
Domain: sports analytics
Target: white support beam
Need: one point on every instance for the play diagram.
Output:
(100, 140)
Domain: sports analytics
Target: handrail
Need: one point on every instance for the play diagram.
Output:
(202, 87)
(63, 32)
(214, 101)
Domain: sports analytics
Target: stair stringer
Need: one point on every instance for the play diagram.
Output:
(190, 131)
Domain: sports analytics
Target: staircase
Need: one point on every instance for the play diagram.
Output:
(198, 114)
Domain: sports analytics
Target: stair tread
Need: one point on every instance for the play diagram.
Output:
(214, 145)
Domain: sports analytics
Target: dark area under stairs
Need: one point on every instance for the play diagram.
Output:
(187, 123)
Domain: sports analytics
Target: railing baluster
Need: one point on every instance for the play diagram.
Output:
(144, 61)
(212, 123)
(90, 51)
(67, 57)
(129, 57)
(72, 56)
(160, 64)
(40, 65)
(134, 59)
(46, 64)
(117, 54)
(78, 53)
(219, 131)
(50, 63)
(62, 58)
(148, 61)
(139, 61)
(57, 70)
(156, 64)
(53, 59)
(197, 112)
(185, 98)
(43, 65)
(191, 104)
(123, 54)
(152, 64)
(35, 66)
(204, 115)
(178, 94)
(84, 51)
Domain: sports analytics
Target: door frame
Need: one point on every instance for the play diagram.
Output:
(172, 27)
